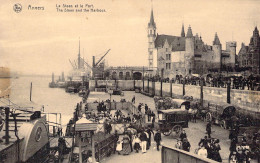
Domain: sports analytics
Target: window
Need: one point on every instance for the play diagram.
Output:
(151, 32)
(166, 49)
(168, 66)
(168, 56)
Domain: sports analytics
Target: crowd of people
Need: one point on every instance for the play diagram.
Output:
(237, 82)
(241, 151)
(139, 141)
(208, 147)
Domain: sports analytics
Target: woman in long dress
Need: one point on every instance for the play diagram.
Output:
(126, 145)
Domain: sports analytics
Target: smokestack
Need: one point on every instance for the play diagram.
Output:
(52, 78)
(93, 61)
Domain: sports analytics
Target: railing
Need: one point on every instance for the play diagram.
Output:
(53, 121)
(174, 155)
(105, 147)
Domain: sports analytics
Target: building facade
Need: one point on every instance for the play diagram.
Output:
(249, 56)
(186, 54)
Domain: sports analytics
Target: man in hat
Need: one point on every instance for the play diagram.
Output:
(158, 139)
(186, 145)
(208, 129)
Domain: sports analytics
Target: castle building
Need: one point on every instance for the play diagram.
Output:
(186, 54)
(249, 56)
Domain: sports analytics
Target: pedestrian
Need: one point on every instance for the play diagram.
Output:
(143, 139)
(126, 149)
(208, 129)
(183, 135)
(153, 119)
(203, 152)
(136, 142)
(149, 112)
(216, 148)
(158, 139)
(139, 107)
(186, 145)
(232, 147)
(133, 99)
(178, 144)
(146, 108)
(147, 140)
(150, 132)
(119, 146)
(203, 142)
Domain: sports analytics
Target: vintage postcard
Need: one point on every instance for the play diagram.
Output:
(129, 81)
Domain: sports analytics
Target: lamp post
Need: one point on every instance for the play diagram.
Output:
(228, 91)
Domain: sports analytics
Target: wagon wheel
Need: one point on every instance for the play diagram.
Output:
(208, 117)
(167, 133)
(177, 129)
(223, 124)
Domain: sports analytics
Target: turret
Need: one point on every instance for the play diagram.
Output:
(151, 30)
(231, 47)
(256, 40)
(217, 49)
(189, 43)
(189, 51)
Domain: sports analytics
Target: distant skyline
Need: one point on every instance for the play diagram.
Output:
(42, 42)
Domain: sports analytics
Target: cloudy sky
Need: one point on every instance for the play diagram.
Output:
(42, 42)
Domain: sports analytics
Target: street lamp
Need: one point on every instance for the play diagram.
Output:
(228, 91)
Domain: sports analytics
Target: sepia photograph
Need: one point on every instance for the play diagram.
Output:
(118, 81)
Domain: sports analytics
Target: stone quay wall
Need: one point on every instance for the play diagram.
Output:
(243, 98)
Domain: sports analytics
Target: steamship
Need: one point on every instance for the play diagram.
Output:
(26, 135)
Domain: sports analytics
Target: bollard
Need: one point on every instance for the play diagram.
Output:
(201, 92)
(228, 91)
(53, 130)
(148, 86)
(183, 89)
(161, 87)
(7, 136)
(171, 88)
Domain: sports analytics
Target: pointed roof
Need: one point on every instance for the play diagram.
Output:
(182, 31)
(256, 32)
(151, 23)
(216, 40)
(256, 29)
(166, 42)
(189, 33)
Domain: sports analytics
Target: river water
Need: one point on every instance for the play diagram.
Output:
(54, 100)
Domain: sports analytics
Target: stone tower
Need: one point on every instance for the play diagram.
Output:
(217, 49)
(231, 47)
(189, 51)
(151, 38)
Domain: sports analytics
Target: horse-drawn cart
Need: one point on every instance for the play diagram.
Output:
(172, 120)
(223, 115)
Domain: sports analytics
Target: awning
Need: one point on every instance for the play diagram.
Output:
(173, 111)
(180, 102)
(85, 125)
